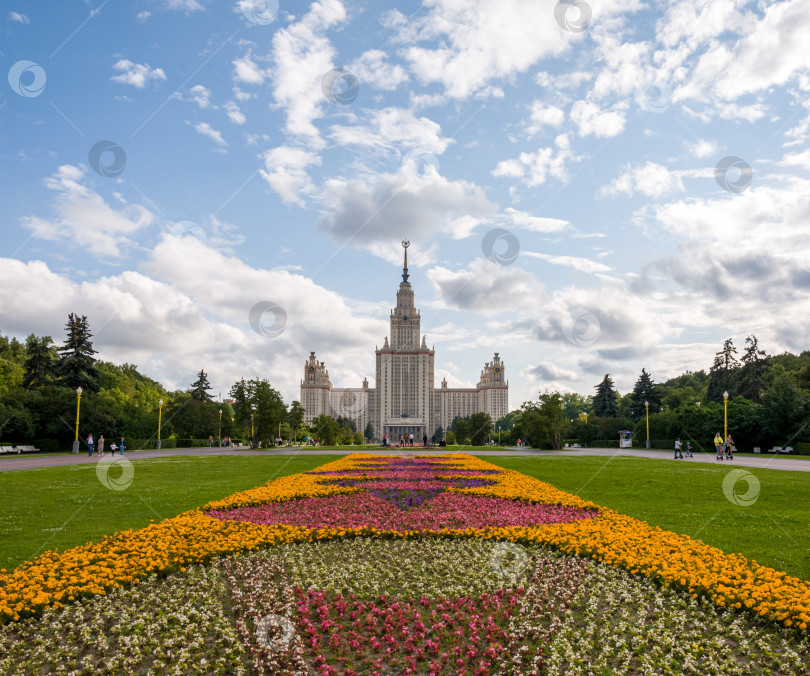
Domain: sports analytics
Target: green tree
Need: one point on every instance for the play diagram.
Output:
(199, 388)
(645, 389)
(784, 409)
(295, 417)
(752, 373)
(574, 404)
(76, 366)
(326, 429)
(40, 363)
(480, 427)
(723, 374)
(368, 433)
(604, 402)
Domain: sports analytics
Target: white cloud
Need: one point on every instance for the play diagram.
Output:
(234, 114)
(373, 70)
(201, 96)
(286, 172)
(544, 115)
(527, 221)
(84, 220)
(207, 130)
(19, 18)
(302, 55)
(703, 148)
(535, 168)
(188, 6)
(137, 74)
(481, 41)
(591, 119)
(573, 262)
(246, 70)
(392, 128)
(653, 180)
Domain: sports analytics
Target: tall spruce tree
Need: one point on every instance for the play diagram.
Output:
(752, 373)
(604, 401)
(199, 388)
(40, 363)
(76, 365)
(647, 390)
(724, 372)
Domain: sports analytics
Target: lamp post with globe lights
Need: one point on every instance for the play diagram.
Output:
(78, 405)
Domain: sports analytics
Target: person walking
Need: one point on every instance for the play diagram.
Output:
(678, 453)
(718, 445)
(424, 440)
(410, 439)
(121, 446)
(210, 441)
(90, 444)
(100, 445)
(729, 448)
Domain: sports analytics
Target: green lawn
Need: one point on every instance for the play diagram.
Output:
(688, 498)
(62, 507)
(68, 506)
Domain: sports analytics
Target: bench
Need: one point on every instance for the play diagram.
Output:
(20, 448)
(779, 449)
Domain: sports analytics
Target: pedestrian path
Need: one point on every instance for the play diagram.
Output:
(763, 462)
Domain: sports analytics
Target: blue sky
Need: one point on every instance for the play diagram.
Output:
(560, 170)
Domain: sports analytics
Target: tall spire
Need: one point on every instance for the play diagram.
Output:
(405, 245)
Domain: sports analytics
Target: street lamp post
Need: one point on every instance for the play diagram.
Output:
(725, 415)
(78, 403)
(647, 409)
(219, 434)
(160, 416)
(252, 433)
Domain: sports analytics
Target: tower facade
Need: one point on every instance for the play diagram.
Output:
(405, 399)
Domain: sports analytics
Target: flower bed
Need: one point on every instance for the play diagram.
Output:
(339, 501)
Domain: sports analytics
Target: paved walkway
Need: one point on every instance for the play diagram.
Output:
(766, 461)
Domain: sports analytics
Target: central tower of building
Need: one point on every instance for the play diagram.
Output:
(404, 398)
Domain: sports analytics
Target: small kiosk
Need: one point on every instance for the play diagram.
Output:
(625, 439)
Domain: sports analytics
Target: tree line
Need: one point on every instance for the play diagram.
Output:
(768, 404)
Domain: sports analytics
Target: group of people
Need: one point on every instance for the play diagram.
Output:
(724, 448)
(407, 440)
(679, 450)
(99, 447)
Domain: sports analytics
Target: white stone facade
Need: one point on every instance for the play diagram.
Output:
(405, 399)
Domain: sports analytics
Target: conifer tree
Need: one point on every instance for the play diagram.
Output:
(604, 402)
(752, 374)
(76, 366)
(723, 374)
(199, 388)
(40, 362)
(645, 389)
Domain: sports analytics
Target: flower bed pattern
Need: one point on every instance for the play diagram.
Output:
(670, 559)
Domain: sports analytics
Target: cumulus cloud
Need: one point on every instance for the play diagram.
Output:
(84, 220)
(487, 287)
(286, 172)
(535, 168)
(547, 370)
(373, 69)
(479, 42)
(302, 55)
(653, 180)
(393, 128)
(592, 120)
(207, 130)
(426, 206)
(18, 18)
(137, 74)
(201, 96)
